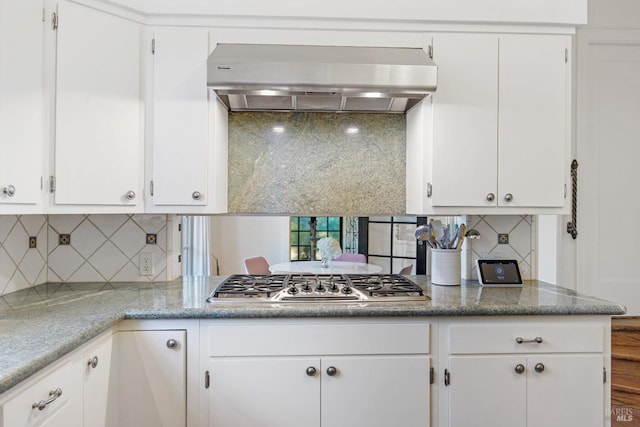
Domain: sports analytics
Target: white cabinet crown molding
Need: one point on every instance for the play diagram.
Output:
(571, 12)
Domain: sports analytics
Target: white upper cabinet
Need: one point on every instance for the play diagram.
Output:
(180, 130)
(465, 113)
(21, 131)
(496, 133)
(98, 148)
(533, 120)
(186, 160)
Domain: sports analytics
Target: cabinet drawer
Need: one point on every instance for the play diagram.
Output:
(19, 410)
(265, 339)
(555, 338)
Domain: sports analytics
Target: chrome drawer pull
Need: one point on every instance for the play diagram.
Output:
(521, 340)
(53, 395)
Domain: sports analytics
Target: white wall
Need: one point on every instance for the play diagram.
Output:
(605, 179)
(548, 235)
(613, 14)
(234, 238)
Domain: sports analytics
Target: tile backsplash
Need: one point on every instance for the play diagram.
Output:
(100, 248)
(107, 247)
(521, 242)
(20, 266)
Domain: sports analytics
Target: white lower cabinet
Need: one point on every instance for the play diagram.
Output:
(375, 391)
(264, 392)
(283, 378)
(554, 377)
(518, 371)
(512, 391)
(99, 385)
(152, 384)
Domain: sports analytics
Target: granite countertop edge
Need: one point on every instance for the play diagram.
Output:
(39, 341)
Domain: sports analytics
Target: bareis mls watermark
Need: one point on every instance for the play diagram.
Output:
(621, 414)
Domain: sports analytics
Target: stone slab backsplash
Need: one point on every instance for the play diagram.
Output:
(100, 248)
(317, 163)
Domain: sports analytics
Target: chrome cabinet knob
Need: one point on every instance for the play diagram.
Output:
(539, 367)
(196, 195)
(172, 344)
(93, 362)
(130, 195)
(9, 190)
(332, 371)
(311, 371)
(519, 368)
(508, 197)
(491, 197)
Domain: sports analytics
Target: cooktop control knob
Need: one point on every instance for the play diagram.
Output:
(292, 290)
(334, 288)
(347, 290)
(306, 288)
(320, 288)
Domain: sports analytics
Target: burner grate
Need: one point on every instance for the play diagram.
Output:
(247, 285)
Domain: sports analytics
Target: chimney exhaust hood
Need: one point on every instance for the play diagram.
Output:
(250, 77)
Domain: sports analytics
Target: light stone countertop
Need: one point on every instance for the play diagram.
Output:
(41, 324)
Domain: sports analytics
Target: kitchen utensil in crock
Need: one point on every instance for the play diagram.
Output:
(462, 231)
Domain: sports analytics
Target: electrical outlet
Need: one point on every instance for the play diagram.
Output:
(146, 264)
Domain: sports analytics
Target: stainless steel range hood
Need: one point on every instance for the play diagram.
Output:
(249, 77)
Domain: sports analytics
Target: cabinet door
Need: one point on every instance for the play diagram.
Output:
(99, 409)
(264, 392)
(569, 391)
(21, 138)
(180, 117)
(533, 120)
(465, 108)
(487, 391)
(152, 378)
(376, 391)
(98, 141)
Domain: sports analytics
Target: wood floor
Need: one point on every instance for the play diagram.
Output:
(625, 372)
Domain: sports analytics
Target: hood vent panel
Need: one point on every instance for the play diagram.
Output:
(320, 78)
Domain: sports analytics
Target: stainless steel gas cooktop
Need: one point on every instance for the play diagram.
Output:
(317, 287)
